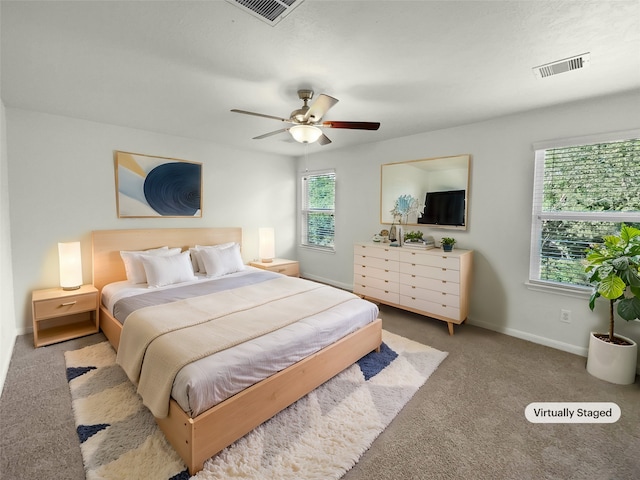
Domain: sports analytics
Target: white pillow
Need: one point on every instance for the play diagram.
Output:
(197, 248)
(133, 265)
(222, 261)
(167, 270)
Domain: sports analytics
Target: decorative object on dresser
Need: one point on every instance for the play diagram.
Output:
(428, 282)
(60, 315)
(280, 265)
(447, 243)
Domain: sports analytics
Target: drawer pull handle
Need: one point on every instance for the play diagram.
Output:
(444, 269)
(444, 281)
(444, 305)
(68, 304)
(413, 264)
(386, 281)
(412, 286)
(444, 256)
(413, 276)
(443, 293)
(413, 298)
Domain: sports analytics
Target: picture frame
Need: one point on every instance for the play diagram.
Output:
(149, 186)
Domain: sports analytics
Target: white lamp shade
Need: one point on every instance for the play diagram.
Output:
(70, 257)
(305, 133)
(267, 244)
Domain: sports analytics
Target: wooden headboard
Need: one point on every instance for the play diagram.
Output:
(107, 244)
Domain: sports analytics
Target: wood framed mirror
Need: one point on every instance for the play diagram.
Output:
(439, 186)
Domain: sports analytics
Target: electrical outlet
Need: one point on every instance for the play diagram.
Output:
(565, 316)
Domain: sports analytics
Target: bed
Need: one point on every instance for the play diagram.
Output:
(198, 435)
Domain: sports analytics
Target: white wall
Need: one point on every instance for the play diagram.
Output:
(7, 312)
(499, 213)
(63, 186)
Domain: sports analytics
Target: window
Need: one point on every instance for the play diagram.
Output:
(583, 189)
(318, 209)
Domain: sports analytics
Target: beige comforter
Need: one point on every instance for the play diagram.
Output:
(158, 341)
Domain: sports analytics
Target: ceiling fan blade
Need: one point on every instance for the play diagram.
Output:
(261, 115)
(324, 140)
(321, 106)
(270, 133)
(352, 125)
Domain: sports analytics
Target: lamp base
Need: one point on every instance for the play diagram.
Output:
(72, 288)
(266, 260)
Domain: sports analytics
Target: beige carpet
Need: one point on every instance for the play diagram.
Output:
(468, 423)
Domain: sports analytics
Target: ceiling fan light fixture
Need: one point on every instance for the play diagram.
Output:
(305, 133)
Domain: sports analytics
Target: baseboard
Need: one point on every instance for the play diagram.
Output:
(565, 347)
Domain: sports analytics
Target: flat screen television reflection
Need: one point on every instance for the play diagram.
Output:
(444, 208)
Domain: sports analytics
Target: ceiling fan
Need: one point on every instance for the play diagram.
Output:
(307, 120)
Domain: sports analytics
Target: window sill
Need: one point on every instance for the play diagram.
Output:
(557, 289)
(319, 249)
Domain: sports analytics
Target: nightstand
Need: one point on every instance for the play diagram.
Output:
(60, 315)
(280, 265)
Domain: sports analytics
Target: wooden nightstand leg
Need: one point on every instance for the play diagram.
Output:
(450, 325)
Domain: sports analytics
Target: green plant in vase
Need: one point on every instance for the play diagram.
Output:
(447, 243)
(413, 237)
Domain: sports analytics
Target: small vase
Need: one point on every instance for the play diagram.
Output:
(447, 248)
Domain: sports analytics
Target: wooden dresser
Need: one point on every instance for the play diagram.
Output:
(429, 282)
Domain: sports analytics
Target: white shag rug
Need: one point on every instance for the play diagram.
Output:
(320, 437)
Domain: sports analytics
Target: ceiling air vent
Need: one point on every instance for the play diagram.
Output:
(269, 11)
(561, 66)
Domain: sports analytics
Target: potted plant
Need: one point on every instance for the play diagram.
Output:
(447, 243)
(413, 237)
(613, 268)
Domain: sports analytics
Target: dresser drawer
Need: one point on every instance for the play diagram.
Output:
(386, 296)
(379, 283)
(438, 273)
(389, 253)
(68, 305)
(442, 298)
(431, 308)
(430, 283)
(375, 262)
(367, 271)
(432, 260)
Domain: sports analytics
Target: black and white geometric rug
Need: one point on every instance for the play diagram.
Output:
(319, 437)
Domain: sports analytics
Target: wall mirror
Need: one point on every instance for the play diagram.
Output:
(438, 186)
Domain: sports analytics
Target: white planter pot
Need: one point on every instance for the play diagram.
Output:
(612, 363)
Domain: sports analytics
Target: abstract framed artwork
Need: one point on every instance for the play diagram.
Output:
(150, 186)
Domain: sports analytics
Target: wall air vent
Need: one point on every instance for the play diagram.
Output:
(269, 11)
(561, 66)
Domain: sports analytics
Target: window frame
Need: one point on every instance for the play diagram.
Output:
(538, 215)
(305, 210)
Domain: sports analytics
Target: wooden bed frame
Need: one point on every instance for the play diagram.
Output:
(198, 439)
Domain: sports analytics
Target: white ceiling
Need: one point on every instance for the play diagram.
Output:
(178, 67)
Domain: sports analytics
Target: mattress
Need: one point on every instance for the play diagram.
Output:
(211, 380)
